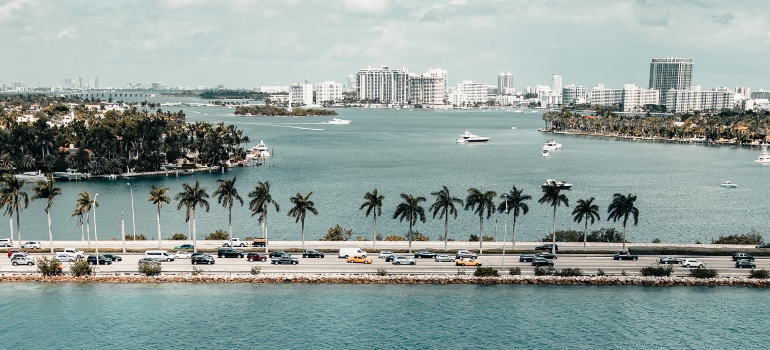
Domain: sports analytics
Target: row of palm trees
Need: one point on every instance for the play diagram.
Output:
(192, 197)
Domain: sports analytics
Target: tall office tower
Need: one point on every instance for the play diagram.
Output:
(383, 85)
(671, 73)
(428, 88)
(505, 83)
(556, 86)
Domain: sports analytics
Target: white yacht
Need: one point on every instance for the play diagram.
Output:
(338, 121)
(764, 156)
(728, 184)
(258, 151)
(467, 137)
(32, 176)
(70, 174)
(552, 145)
(564, 185)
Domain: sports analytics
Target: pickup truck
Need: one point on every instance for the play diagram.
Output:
(78, 253)
(234, 242)
(258, 242)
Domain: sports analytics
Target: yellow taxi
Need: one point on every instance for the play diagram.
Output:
(358, 259)
(467, 262)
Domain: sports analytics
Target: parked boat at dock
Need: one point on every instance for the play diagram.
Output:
(764, 156)
(32, 176)
(70, 174)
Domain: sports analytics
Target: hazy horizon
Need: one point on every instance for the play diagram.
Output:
(242, 44)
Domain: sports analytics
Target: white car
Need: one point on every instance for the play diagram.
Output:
(22, 260)
(444, 258)
(183, 254)
(78, 253)
(692, 263)
(62, 257)
(384, 254)
(31, 245)
(6, 242)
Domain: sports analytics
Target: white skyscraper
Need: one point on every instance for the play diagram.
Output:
(383, 85)
(301, 94)
(556, 86)
(505, 83)
(670, 73)
(328, 91)
(428, 88)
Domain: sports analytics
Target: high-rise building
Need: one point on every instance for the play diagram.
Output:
(556, 86)
(760, 94)
(94, 83)
(743, 90)
(573, 95)
(328, 91)
(428, 88)
(679, 101)
(383, 85)
(635, 97)
(505, 83)
(301, 94)
(671, 73)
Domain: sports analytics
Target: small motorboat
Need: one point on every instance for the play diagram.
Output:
(728, 184)
(32, 176)
(338, 121)
(564, 185)
(764, 156)
(467, 137)
(546, 152)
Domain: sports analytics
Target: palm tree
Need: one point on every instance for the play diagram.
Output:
(79, 213)
(373, 204)
(586, 209)
(83, 205)
(191, 197)
(411, 210)
(480, 202)
(553, 196)
(260, 203)
(13, 197)
(227, 194)
(158, 197)
(444, 206)
(47, 190)
(514, 201)
(302, 205)
(621, 207)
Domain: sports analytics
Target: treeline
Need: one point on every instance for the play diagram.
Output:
(271, 111)
(232, 94)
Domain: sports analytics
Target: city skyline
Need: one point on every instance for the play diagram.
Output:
(252, 43)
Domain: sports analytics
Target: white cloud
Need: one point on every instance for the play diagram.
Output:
(365, 6)
(7, 9)
(181, 4)
(66, 32)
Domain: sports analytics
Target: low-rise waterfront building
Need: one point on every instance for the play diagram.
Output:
(635, 97)
(680, 101)
(469, 93)
(573, 95)
(301, 94)
(328, 91)
(601, 96)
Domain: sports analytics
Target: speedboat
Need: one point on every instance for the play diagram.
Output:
(764, 156)
(546, 152)
(552, 145)
(728, 184)
(467, 137)
(564, 185)
(70, 174)
(32, 176)
(339, 121)
(258, 151)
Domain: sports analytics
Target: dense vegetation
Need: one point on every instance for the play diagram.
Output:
(607, 235)
(751, 238)
(232, 94)
(657, 271)
(270, 111)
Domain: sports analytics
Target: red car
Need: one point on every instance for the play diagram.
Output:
(11, 252)
(256, 257)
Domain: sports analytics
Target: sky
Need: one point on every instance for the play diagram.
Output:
(247, 43)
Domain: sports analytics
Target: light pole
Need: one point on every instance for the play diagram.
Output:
(96, 238)
(133, 219)
(505, 228)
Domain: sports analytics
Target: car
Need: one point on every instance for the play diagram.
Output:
(277, 253)
(78, 253)
(526, 258)
(31, 245)
(234, 242)
(443, 258)
(284, 259)
(742, 256)
(229, 253)
(312, 254)
(546, 255)
(183, 254)
(384, 254)
(22, 260)
(624, 256)
(670, 260)
(546, 247)
(745, 264)
(61, 257)
(193, 255)
(541, 262)
(467, 262)
(6, 242)
(149, 261)
(402, 260)
(112, 257)
(254, 256)
(12, 252)
(393, 256)
(691, 263)
(425, 254)
(202, 259)
(465, 254)
(358, 259)
(185, 246)
(91, 259)
(763, 245)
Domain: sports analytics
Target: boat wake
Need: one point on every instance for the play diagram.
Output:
(282, 125)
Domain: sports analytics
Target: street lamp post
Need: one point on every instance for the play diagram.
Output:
(96, 238)
(505, 228)
(133, 219)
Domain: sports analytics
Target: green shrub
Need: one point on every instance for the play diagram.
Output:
(601, 273)
(395, 238)
(337, 233)
(139, 237)
(570, 272)
(81, 268)
(623, 273)
(489, 238)
(657, 271)
(544, 271)
(564, 236)
(656, 240)
(196, 271)
(473, 238)
(704, 273)
(381, 271)
(418, 237)
(485, 272)
(178, 237)
(218, 235)
(48, 267)
(515, 270)
(255, 270)
(607, 235)
(753, 237)
(763, 274)
(150, 268)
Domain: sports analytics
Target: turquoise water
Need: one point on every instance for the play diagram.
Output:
(218, 316)
(402, 151)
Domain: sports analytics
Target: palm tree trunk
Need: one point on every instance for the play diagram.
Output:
(481, 232)
(230, 221)
(264, 228)
(10, 222)
(195, 236)
(50, 233)
(585, 235)
(374, 239)
(82, 231)
(446, 229)
(18, 226)
(303, 234)
(553, 244)
(505, 232)
(159, 226)
(88, 228)
(409, 234)
(624, 236)
(513, 241)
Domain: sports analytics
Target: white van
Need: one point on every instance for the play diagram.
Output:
(347, 252)
(159, 255)
(6, 242)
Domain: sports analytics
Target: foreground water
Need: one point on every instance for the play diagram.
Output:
(218, 316)
(403, 151)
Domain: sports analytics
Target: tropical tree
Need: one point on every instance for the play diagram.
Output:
(190, 198)
(260, 203)
(411, 210)
(302, 205)
(83, 206)
(79, 213)
(47, 190)
(586, 210)
(621, 208)
(444, 206)
(227, 194)
(13, 197)
(514, 201)
(158, 197)
(552, 196)
(480, 202)
(373, 204)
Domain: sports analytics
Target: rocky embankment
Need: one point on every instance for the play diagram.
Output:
(396, 279)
